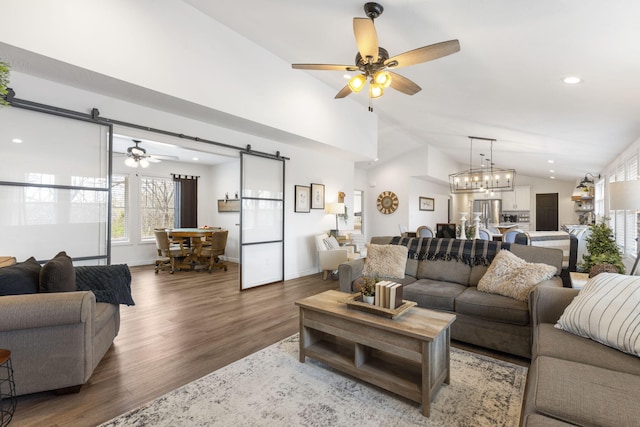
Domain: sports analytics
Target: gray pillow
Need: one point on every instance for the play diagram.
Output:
(21, 278)
(58, 275)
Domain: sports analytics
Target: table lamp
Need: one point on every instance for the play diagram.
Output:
(336, 209)
(625, 195)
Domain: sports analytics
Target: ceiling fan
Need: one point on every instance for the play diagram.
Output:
(137, 156)
(374, 62)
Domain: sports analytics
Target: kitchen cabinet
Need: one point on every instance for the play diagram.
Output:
(517, 200)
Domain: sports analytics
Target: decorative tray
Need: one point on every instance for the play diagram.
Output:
(355, 302)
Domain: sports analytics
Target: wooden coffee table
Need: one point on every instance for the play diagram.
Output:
(408, 355)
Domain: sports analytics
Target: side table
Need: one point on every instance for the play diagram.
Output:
(578, 280)
(7, 388)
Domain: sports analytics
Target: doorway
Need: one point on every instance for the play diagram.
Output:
(358, 214)
(547, 212)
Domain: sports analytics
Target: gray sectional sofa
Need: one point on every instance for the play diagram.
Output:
(488, 320)
(574, 380)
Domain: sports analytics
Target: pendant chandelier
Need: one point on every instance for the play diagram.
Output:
(487, 178)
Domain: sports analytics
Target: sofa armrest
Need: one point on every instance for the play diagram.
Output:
(548, 303)
(348, 272)
(45, 310)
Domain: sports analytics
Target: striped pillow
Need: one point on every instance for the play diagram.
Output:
(607, 310)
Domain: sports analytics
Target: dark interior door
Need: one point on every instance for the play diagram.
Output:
(547, 212)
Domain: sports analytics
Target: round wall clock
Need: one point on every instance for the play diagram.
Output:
(387, 202)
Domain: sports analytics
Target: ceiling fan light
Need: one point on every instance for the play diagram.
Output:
(357, 82)
(144, 163)
(131, 162)
(375, 90)
(137, 151)
(383, 78)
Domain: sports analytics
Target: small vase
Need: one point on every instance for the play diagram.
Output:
(369, 299)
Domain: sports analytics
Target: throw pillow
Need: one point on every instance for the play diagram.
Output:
(513, 277)
(57, 275)
(607, 311)
(20, 278)
(331, 243)
(387, 261)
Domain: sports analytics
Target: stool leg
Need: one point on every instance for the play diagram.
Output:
(7, 393)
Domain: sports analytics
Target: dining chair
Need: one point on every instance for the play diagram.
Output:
(510, 236)
(210, 254)
(484, 234)
(167, 254)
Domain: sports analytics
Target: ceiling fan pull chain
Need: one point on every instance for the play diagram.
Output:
(371, 105)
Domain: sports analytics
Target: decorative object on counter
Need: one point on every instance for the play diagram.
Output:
(387, 202)
(317, 196)
(484, 179)
(302, 199)
(367, 287)
(602, 249)
(468, 231)
(426, 204)
(476, 224)
(463, 224)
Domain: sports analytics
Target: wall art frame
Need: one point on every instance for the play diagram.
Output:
(302, 199)
(317, 196)
(426, 204)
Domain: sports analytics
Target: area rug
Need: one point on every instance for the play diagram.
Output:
(272, 388)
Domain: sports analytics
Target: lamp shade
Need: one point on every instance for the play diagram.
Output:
(336, 208)
(624, 195)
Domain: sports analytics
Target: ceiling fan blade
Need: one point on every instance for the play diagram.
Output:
(403, 84)
(424, 54)
(153, 160)
(345, 91)
(366, 38)
(327, 67)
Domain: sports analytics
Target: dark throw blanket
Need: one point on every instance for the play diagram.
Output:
(471, 252)
(109, 283)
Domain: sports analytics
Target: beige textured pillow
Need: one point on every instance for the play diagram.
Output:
(513, 277)
(606, 310)
(387, 261)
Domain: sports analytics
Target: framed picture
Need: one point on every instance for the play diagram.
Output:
(426, 204)
(302, 199)
(317, 196)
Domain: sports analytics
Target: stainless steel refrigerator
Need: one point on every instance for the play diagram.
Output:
(491, 210)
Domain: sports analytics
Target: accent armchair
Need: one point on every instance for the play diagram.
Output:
(331, 254)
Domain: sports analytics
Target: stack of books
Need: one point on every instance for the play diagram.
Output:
(388, 294)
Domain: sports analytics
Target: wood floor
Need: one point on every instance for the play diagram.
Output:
(182, 327)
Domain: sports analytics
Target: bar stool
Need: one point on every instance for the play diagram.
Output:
(7, 388)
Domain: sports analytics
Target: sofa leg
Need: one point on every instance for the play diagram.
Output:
(68, 390)
(325, 274)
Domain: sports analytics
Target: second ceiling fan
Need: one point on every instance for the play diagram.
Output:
(374, 63)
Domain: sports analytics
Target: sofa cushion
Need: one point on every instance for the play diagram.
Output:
(441, 270)
(493, 307)
(57, 275)
(585, 395)
(433, 294)
(549, 341)
(385, 261)
(513, 277)
(20, 278)
(537, 420)
(606, 310)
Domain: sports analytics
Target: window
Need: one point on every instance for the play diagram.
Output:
(156, 205)
(119, 208)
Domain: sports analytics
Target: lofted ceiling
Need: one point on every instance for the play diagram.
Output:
(505, 83)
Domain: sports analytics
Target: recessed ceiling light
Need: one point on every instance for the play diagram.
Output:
(17, 140)
(552, 177)
(551, 171)
(550, 161)
(346, 76)
(572, 80)
(195, 158)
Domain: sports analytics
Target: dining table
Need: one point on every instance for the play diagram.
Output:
(194, 238)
